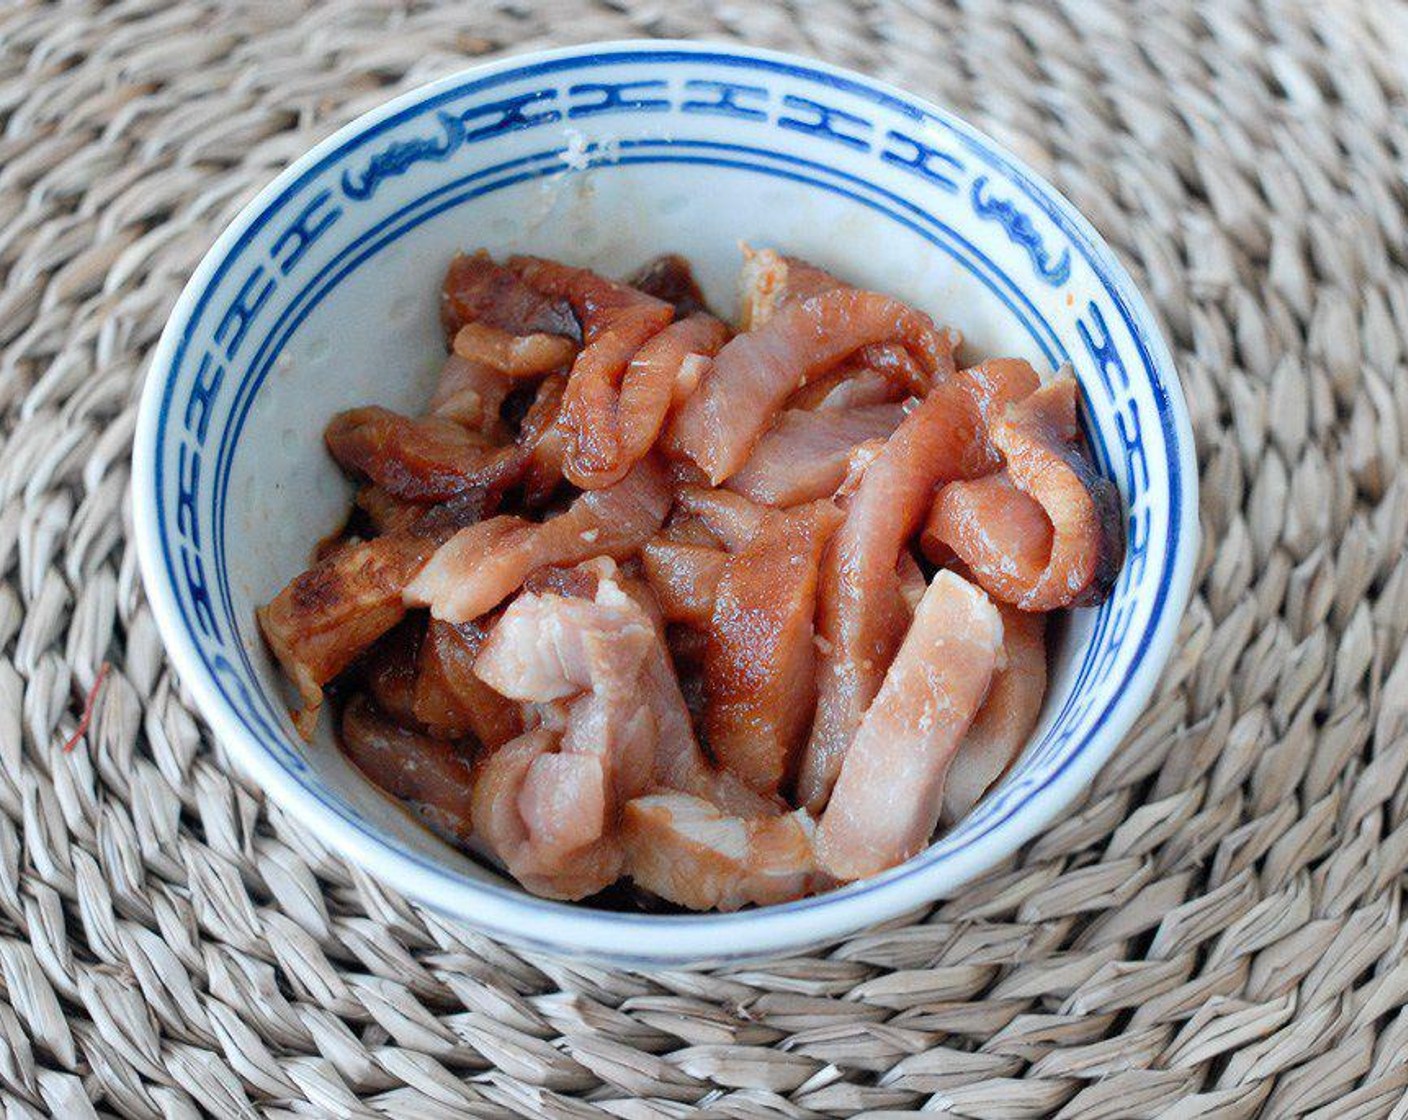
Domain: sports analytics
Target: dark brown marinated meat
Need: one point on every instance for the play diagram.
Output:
(1040, 438)
(752, 376)
(448, 697)
(669, 277)
(476, 570)
(616, 321)
(390, 672)
(759, 664)
(434, 776)
(727, 607)
(501, 330)
(422, 459)
(539, 440)
(329, 614)
(479, 290)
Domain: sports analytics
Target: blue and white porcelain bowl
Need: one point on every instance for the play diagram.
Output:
(322, 295)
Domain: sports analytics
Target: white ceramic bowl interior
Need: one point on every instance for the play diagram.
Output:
(323, 295)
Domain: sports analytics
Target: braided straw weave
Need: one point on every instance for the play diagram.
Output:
(1215, 931)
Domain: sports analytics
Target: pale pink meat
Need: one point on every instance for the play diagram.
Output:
(752, 376)
(1007, 717)
(768, 282)
(543, 819)
(847, 387)
(912, 583)
(804, 455)
(1040, 439)
(861, 613)
(616, 321)
(760, 659)
(888, 796)
(586, 654)
(514, 356)
(689, 852)
(476, 570)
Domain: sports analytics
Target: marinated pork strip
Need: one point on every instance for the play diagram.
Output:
(684, 577)
(385, 512)
(586, 654)
(861, 614)
(477, 289)
(652, 382)
(448, 697)
(477, 569)
(329, 614)
(508, 801)
(1039, 438)
(718, 426)
(512, 356)
(616, 321)
(390, 673)
(911, 581)
(436, 777)
(679, 764)
(1005, 721)
(731, 519)
(540, 441)
(471, 394)
(804, 455)
(422, 459)
(768, 282)
(890, 790)
(993, 385)
(1001, 534)
(669, 277)
(844, 388)
(760, 659)
(685, 850)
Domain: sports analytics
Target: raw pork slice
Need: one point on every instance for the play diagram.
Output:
(890, 791)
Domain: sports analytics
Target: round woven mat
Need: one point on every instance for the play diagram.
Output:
(1217, 930)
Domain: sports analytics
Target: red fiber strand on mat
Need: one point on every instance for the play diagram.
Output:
(89, 702)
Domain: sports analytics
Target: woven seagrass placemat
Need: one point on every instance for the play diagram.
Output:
(1215, 931)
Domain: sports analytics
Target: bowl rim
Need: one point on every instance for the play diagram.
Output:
(663, 940)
